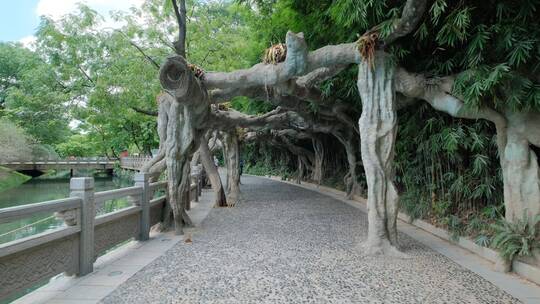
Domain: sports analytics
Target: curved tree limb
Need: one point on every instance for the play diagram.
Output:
(213, 175)
(436, 93)
(144, 111)
(180, 13)
(224, 120)
(410, 17)
(297, 63)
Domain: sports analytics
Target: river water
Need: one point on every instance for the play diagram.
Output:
(38, 190)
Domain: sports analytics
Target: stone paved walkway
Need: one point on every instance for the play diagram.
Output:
(285, 244)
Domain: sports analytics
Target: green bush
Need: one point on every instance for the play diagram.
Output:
(415, 205)
(260, 169)
(520, 238)
(493, 211)
(455, 227)
(475, 225)
(483, 240)
(441, 208)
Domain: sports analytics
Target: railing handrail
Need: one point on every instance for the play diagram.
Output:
(134, 162)
(12, 213)
(63, 160)
(158, 185)
(100, 197)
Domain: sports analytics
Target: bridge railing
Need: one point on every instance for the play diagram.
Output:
(79, 160)
(134, 162)
(73, 248)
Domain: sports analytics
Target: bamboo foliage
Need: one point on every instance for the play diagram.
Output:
(447, 166)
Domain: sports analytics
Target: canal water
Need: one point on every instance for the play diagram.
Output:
(38, 190)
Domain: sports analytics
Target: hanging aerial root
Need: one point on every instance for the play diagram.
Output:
(367, 45)
(275, 54)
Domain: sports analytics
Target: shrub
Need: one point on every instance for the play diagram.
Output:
(455, 227)
(520, 238)
(414, 205)
(483, 240)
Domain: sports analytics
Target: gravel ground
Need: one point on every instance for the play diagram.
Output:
(284, 244)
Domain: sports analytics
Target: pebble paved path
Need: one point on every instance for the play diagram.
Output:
(285, 244)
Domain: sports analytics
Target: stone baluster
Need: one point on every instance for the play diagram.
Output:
(142, 180)
(83, 187)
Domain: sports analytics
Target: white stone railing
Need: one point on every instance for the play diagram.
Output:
(73, 248)
(45, 164)
(134, 162)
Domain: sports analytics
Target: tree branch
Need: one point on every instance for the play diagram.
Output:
(437, 93)
(86, 75)
(275, 119)
(147, 57)
(180, 45)
(410, 16)
(144, 111)
(319, 75)
(298, 62)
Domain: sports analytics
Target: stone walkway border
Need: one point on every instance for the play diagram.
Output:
(463, 253)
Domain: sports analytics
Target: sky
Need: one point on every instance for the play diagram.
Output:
(20, 18)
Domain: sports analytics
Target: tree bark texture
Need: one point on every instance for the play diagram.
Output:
(213, 174)
(188, 111)
(378, 129)
(520, 166)
(232, 154)
(179, 149)
(353, 187)
(300, 172)
(318, 148)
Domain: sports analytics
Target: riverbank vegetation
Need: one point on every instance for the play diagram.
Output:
(10, 179)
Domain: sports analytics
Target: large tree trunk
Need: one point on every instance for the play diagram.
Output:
(232, 155)
(213, 174)
(353, 187)
(179, 148)
(378, 129)
(520, 166)
(317, 173)
(156, 164)
(300, 173)
(351, 148)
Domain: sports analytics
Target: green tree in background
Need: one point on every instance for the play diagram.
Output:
(31, 96)
(78, 145)
(110, 74)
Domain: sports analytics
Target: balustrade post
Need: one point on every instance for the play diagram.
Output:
(142, 179)
(83, 187)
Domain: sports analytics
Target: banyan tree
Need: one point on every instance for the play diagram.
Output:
(289, 78)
